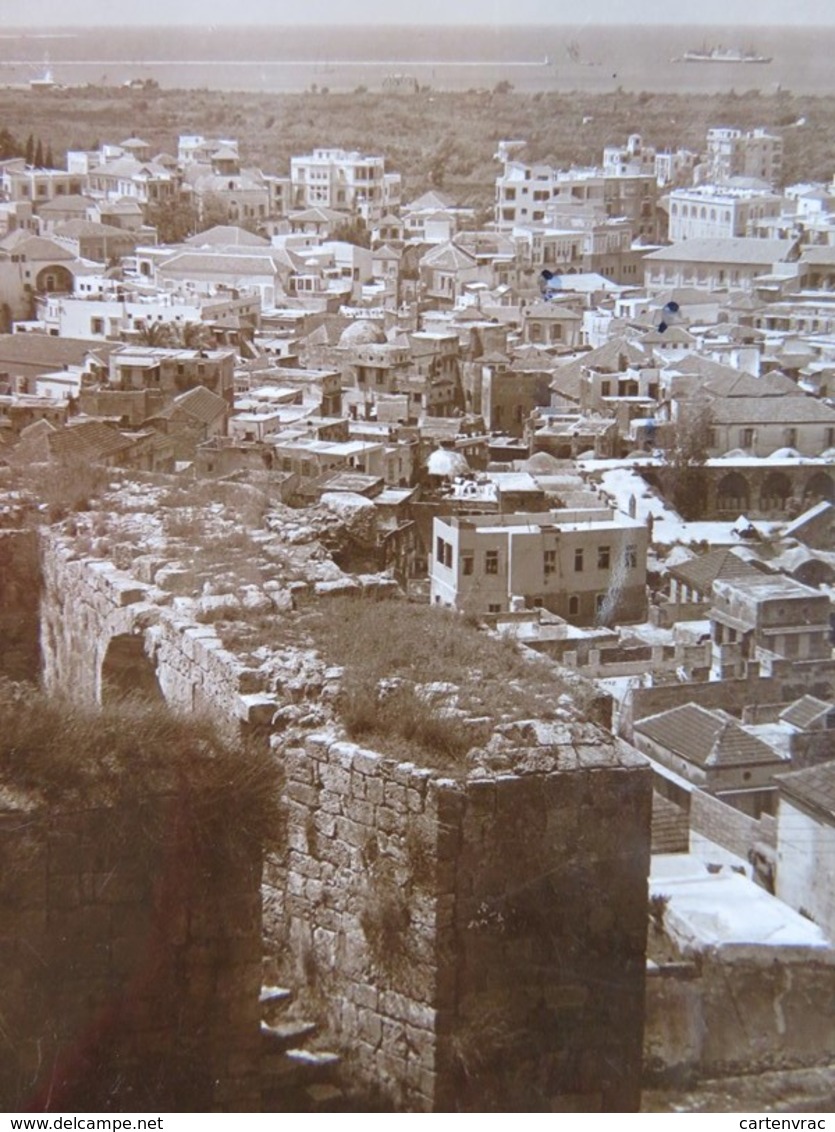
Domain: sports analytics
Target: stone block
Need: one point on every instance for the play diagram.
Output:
(300, 792)
(351, 833)
(370, 1027)
(125, 591)
(325, 824)
(329, 802)
(395, 797)
(313, 891)
(359, 811)
(374, 790)
(256, 709)
(305, 866)
(367, 762)
(420, 1016)
(414, 801)
(404, 773)
(335, 778)
(299, 767)
(317, 744)
(394, 1005)
(363, 995)
(250, 680)
(387, 820)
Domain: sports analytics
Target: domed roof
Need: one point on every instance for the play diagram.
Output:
(363, 332)
(448, 463)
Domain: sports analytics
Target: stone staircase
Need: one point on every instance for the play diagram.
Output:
(295, 1075)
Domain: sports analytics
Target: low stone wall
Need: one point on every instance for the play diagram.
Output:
(477, 944)
(740, 1010)
(128, 984)
(722, 824)
(794, 680)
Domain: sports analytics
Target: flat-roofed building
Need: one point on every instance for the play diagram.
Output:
(588, 566)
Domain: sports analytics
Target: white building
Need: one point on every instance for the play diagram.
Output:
(719, 211)
(588, 566)
(344, 181)
(753, 153)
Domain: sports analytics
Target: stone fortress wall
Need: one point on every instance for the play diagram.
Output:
(473, 940)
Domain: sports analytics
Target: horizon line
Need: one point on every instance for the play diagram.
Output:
(260, 23)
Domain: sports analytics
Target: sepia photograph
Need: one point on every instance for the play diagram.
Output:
(417, 559)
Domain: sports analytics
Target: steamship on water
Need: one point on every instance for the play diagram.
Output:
(707, 54)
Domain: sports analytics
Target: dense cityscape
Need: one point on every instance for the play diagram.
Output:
(498, 546)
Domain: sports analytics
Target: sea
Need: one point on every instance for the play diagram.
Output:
(588, 58)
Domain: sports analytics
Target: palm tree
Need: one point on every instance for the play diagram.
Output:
(196, 336)
(161, 334)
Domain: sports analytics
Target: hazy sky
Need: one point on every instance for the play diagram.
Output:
(55, 13)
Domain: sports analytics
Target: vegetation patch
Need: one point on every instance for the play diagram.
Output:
(132, 755)
(417, 680)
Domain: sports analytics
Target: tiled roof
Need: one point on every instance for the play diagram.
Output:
(70, 203)
(771, 410)
(700, 366)
(124, 206)
(431, 199)
(739, 249)
(201, 403)
(806, 711)
(50, 352)
(774, 384)
(700, 573)
(705, 738)
(226, 235)
(672, 336)
(614, 356)
(448, 257)
(745, 302)
(318, 214)
(87, 440)
(37, 248)
(75, 228)
(814, 788)
(220, 264)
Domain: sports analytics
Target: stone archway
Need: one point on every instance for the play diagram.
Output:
(818, 487)
(776, 492)
(127, 671)
(732, 493)
(54, 279)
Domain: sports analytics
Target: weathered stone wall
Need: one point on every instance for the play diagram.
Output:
(791, 682)
(20, 592)
(477, 944)
(741, 1010)
(369, 892)
(550, 924)
(471, 942)
(130, 979)
(88, 603)
(722, 824)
